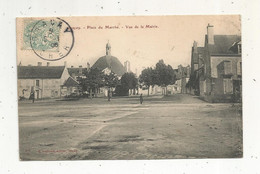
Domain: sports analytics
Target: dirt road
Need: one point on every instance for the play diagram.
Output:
(178, 126)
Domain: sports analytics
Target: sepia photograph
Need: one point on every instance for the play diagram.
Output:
(129, 87)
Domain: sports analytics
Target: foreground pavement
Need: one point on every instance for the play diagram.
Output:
(178, 126)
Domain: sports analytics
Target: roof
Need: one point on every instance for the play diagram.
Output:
(222, 44)
(200, 49)
(40, 72)
(75, 71)
(110, 62)
(70, 82)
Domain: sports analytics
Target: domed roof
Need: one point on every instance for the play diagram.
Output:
(110, 62)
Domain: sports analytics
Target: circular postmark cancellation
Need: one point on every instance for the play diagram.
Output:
(51, 39)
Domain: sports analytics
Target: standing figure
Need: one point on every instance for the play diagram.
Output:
(141, 99)
(32, 96)
(236, 95)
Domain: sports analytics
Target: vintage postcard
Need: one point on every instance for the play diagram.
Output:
(129, 87)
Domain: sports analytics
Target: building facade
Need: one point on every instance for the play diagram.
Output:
(216, 69)
(70, 87)
(44, 81)
(182, 78)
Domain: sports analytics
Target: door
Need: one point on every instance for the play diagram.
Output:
(37, 94)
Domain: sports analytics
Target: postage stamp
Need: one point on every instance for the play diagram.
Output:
(50, 39)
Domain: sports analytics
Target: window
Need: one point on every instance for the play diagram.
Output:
(239, 48)
(239, 68)
(37, 83)
(204, 86)
(228, 86)
(227, 67)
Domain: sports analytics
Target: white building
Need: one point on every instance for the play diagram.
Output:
(45, 81)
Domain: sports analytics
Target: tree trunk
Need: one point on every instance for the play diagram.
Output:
(90, 93)
(148, 90)
(166, 92)
(162, 90)
(95, 92)
(108, 94)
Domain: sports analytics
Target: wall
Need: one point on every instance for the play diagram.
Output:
(65, 75)
(215, 60)
(218, 87)
(48, 88)
(25, 84)
(51, 88)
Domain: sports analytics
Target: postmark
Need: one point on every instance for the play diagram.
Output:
(51, 39)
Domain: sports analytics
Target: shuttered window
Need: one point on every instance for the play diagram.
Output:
(228, 86)
(204, 86)
(239, 68)
(37, 83)
(228, 67)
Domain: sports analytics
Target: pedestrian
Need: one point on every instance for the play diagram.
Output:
(141, 99)
(32, 96)
(237, 96)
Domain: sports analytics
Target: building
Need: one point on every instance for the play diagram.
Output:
(197, 58)
(108, 64)
(182, 78)
(45, 81)
(70, 87)
(76, 72)
(111, 62)
(216, 72)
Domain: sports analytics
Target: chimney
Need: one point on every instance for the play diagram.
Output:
(80, 69)
(195, 47)
(127, 66)
(48, 63)
(39, 63)
(88, 66)
(210, 33)
(65, 64)
(180, 69)
(72, 66)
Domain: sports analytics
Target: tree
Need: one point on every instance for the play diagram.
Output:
(111, 80)
(93, 80)
(129, 81)
(121, 90)
(165, 73)
(147, 78)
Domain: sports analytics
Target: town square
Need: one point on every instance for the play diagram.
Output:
(149, 88)
(177, 126)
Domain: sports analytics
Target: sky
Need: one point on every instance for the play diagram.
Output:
(171, 39)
